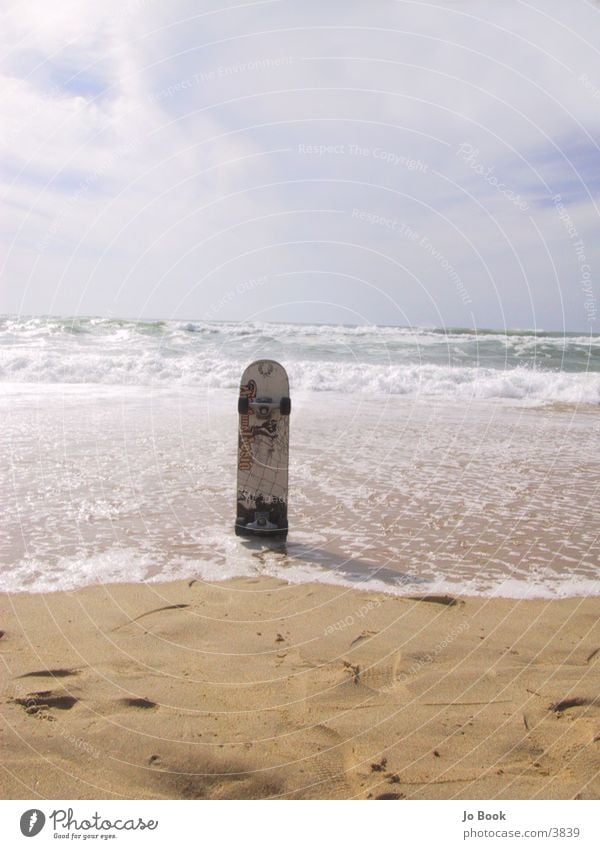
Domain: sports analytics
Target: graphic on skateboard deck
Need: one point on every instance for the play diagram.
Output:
(263, 445)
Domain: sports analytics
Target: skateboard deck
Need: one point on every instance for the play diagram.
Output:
(263, 446)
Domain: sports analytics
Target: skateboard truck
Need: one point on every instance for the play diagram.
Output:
(261, 522)
(263, 407)
(260, 527)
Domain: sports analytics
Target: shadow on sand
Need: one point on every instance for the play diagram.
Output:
(353, 569)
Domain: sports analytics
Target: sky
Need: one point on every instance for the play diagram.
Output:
(394, 162)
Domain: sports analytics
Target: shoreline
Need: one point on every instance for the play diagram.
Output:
(256, 688)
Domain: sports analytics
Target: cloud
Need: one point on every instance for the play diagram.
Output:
(154, 157)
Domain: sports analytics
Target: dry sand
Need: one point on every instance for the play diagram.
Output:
(254, 688)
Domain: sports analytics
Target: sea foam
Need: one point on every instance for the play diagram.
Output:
(454, 364)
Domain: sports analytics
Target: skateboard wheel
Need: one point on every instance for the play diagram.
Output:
(243, 405)
(285, 406)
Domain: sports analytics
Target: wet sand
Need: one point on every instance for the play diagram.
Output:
(482, 499)
(255, 688)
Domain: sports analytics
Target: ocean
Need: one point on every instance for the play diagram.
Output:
(421, 460)
(455, 364)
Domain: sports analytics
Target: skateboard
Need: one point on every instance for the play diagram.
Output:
(264, 408)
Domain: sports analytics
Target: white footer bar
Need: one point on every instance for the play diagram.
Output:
(310, 824)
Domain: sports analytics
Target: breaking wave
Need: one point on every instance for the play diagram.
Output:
(452, 364)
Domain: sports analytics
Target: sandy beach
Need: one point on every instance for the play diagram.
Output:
(255, 688)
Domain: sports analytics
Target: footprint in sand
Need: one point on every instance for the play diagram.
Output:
(44, 700)
(328, 773)
(143, 704)
(445, 600)
(384, 675)
(391, 796)
(575, 701)
(50, 673)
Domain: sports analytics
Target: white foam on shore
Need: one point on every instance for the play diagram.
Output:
(72, 572)
(123, 565)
